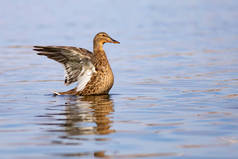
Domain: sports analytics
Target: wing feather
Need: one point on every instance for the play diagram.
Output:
(77, 62)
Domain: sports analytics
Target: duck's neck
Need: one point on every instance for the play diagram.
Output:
(100, 56)
(97, 46)
(98, 50)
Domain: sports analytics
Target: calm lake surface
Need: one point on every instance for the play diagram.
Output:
(175, 94)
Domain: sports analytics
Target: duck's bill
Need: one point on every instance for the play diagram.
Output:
(115, 42)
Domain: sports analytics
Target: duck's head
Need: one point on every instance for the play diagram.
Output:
(103, 37)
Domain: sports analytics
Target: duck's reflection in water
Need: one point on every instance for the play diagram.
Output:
(88, 115)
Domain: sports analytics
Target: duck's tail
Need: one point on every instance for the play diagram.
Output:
(70, 92)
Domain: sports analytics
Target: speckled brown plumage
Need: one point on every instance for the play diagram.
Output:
(91, 70)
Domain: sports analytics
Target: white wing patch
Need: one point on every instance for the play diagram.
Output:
(85, 76)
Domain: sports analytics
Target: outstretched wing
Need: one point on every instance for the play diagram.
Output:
(77, 62)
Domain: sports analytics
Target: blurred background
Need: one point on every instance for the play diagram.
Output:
(176, 80)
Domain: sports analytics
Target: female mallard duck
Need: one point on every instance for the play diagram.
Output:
(91, 70)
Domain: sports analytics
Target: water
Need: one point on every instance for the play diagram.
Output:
(176, 80)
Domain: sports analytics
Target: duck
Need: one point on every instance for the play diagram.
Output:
(91, 70)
